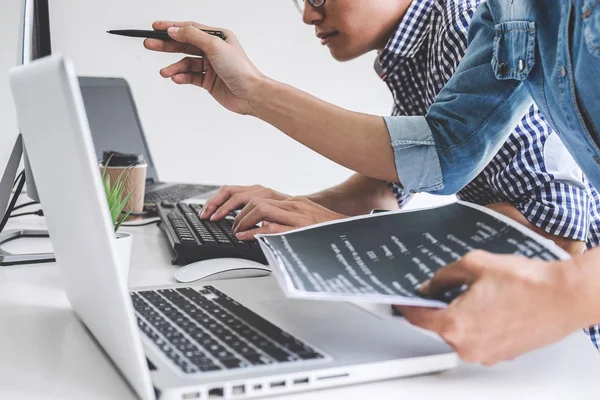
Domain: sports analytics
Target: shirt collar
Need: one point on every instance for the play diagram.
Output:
(408, 37)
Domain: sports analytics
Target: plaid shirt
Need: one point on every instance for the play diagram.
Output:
(532, 171)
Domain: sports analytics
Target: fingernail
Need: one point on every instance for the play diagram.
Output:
(202, 213)
(213, 217)
(241, 235)
(173, 29)
(424, 288)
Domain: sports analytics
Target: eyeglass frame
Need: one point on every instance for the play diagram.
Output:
(312, 3)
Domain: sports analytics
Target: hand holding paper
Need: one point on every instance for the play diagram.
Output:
(508, 295)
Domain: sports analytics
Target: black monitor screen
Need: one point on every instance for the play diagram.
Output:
(35, 43)
(113, 118)
(41, 46)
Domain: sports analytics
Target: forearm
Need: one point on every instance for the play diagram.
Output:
(581, 277)
(357, 141)
(357, 195)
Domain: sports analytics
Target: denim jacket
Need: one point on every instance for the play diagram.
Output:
(519, 51)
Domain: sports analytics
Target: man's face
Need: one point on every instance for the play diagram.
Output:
(351, 28)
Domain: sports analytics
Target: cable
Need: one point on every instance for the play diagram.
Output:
(136, 214)
(25, 205)
(144, 224)
(18, 177)
(16, 195)
(38, 212)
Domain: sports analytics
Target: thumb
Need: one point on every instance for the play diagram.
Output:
(196, 37)
(466, 270)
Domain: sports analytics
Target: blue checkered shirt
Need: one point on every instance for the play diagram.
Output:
(532, 171)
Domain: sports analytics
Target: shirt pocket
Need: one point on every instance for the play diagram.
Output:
(591, 26)
(514, 50)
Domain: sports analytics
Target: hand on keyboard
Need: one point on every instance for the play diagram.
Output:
(280, 216)
(230, 198)
(194, 239)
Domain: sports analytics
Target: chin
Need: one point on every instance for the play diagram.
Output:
(342, 54)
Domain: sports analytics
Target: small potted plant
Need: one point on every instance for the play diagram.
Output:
(117, 200)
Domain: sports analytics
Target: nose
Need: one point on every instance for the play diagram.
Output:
(311, 15)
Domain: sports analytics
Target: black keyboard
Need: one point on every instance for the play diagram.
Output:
(205, 330)
(193, 239)
(178, 192)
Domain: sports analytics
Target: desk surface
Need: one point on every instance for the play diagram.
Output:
(46, 353)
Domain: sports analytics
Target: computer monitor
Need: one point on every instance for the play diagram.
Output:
(34, 43)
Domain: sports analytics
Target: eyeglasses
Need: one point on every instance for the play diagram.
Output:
(300, 4)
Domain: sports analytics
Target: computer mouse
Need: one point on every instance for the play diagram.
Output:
(221, 268)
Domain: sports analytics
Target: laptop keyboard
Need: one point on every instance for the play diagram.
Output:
(175, 193)
(205, 330)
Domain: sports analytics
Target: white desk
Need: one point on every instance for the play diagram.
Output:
(46, 353)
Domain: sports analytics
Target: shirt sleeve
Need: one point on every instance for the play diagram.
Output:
(465, 127)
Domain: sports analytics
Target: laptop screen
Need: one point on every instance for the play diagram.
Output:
(114, 120)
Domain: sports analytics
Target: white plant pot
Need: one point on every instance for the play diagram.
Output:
(123, 243)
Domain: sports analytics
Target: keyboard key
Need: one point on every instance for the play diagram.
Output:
(234, 363)
(310, 356)
(256, 359)
(208, 368)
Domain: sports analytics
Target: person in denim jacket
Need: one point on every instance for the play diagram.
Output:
(519, 52)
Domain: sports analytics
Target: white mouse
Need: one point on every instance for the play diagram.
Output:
(221, 268)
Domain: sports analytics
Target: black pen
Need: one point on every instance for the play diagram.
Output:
(162, 35)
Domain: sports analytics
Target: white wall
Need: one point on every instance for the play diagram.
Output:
(221, 147)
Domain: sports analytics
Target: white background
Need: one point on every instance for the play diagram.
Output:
(218, 146)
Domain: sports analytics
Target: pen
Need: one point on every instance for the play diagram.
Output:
(162, 35)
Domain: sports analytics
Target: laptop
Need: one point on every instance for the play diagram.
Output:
(237, 338)
(115, 125)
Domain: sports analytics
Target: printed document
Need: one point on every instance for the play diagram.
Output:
(384, 258)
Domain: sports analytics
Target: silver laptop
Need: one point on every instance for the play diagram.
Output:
(238, 338)
(115, 125)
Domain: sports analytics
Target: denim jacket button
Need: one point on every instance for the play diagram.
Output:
(502, 69)
(521, 65)
(562, 72)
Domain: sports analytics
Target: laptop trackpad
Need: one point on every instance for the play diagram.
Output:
(316, 312)
(348, 331)
(343, 330)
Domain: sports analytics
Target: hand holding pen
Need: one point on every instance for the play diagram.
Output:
(221, 67)
(156, 34)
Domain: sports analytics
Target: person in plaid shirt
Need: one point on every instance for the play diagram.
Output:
(532, 179)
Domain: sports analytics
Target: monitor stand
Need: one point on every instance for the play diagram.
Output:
(6, 186)
(7, 258)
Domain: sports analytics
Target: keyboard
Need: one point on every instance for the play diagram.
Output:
(175, 193)
(204, 330)
(193, 239)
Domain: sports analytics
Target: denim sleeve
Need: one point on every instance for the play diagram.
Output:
(415, 154)
(465, 127)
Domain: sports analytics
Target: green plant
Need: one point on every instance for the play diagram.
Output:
(115, 195)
